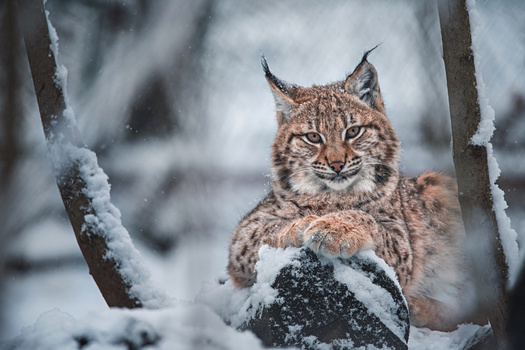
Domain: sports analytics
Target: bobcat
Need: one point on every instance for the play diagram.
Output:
(337, 189)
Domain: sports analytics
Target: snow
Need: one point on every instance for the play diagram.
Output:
(52, 34)
(271, 261)
(486, 126)
(239, 306)
(377, 300)
(61, 73)
(210, 321)
(106, 222)
(243, 305)
(185, 326)
(425, 339)
(508, 236)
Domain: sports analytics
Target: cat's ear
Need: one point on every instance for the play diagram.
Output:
(284, 103)
(364, 83)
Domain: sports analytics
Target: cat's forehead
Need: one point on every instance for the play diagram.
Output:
(329, 108)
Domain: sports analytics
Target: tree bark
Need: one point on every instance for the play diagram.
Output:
(471, 164)
(516, 313)
(52, 105)
(11, 104)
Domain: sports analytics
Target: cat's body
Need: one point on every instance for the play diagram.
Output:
(336, 188)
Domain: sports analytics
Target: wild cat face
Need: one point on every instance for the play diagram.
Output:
(334, 137)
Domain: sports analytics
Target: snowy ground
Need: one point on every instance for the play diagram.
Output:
(185, 324)
(311, 43)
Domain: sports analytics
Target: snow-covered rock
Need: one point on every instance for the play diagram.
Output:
(315, 302)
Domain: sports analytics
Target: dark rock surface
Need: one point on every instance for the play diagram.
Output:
(314, 308)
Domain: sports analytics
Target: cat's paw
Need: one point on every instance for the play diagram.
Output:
(292, 235)
(333, 237)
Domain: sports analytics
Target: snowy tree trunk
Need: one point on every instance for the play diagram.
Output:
(471, 163)
(75, 168)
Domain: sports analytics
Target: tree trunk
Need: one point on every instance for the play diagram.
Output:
(471, 163)
(61, 134)
(516, 313)
(11, 104)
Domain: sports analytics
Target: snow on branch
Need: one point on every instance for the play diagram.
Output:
(113, 261)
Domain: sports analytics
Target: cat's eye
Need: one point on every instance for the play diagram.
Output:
(313, 137)
(352, 132)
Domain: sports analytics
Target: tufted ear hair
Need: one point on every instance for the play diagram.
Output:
(363, 83)
(281, 91)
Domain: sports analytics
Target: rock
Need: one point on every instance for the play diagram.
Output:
(346, 303)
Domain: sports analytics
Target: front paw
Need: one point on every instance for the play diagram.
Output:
(292, 234)
(333, 237)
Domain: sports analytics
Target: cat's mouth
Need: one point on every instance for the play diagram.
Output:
(338, 177)
(338, 181)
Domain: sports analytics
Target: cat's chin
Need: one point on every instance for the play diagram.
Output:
(355, 184)
(339, 183)
(316, 185)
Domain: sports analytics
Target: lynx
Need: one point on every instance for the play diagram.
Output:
(337, 189)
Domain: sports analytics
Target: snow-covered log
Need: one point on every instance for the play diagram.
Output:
(114, 263)
(304, 300)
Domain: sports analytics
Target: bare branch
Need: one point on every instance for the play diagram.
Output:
(70, 159)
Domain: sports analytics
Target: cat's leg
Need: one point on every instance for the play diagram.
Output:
(436, 315)
(292, 235)
(430, 313)
(341, 234)
(254, 231)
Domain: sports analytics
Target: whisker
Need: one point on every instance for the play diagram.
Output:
(375, 161)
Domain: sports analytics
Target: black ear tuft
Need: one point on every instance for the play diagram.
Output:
(365, 55)
(282, 92)
(264, 65)
(272, 78)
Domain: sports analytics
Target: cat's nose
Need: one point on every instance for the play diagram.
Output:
(337, 166)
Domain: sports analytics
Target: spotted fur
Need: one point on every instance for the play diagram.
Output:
(336, 188)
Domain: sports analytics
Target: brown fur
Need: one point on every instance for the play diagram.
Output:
(345, 194)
